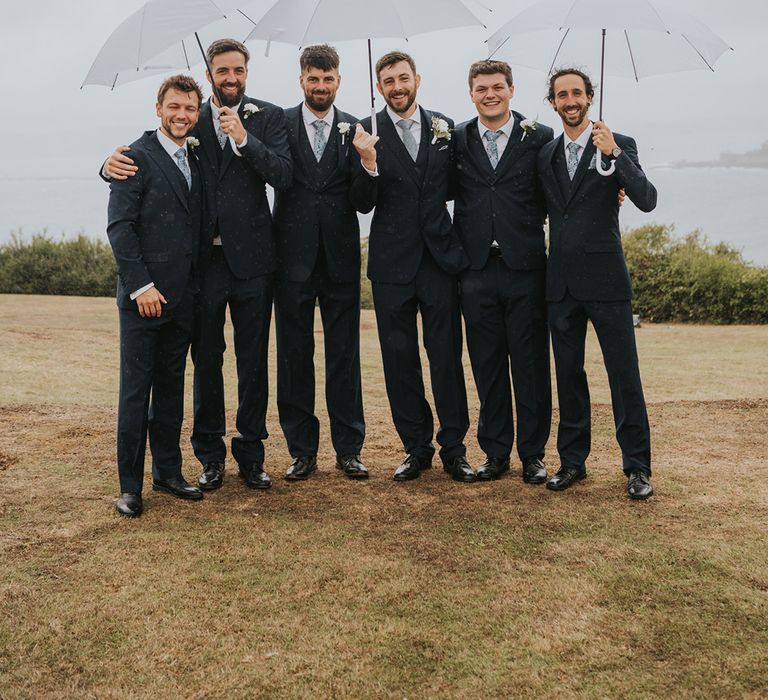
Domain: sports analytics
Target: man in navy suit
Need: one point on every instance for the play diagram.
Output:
(154, 228)
(588, 280)
(243, 148)
(318, 250)
(414, 258)
(499, 213)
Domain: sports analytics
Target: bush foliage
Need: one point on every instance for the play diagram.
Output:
(675, 278)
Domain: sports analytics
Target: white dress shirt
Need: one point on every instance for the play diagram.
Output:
(309, 119)
(415, 130)
(170, 147)
(582, 140)
(504, 136)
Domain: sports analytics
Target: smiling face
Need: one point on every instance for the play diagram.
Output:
(571, 100)
(178, 114)
(230, 71)
(319, 88)
(398, 84)
(491, 95)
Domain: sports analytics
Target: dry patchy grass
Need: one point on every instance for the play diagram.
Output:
(332, 588)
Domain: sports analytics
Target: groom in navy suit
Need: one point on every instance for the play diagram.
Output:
(414, 258)
(318, 249)
(243, 148)
(499, 214)
(588, 280)
(154, 223)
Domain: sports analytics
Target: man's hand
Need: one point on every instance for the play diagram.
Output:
(151, 303)
(231, 125)
(365, 144)
(118, 166)
(603, 139)
(622, 196)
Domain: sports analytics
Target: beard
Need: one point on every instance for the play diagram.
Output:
(230, 100)
(319, 103)
(411, 98)
(574, 120)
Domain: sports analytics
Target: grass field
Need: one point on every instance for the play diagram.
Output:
(332, 588)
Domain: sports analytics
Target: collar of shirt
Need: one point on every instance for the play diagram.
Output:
(310, 117)
(415, 129)
(170, 145)
(215, 111)
(582, 140)
(503, 139)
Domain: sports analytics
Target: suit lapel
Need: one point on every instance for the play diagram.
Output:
(329, 160)
(207, 135)
(426, 143)
(304, 147)
(169, 169)
(585, 160)
(514, 144)
(471, 143)
(548, 174)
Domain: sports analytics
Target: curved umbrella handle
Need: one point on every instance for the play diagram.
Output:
(609, 170)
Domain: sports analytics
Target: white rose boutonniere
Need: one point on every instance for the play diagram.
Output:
(440, 130)
(343, 128)
(528, 126)
(250, 109)
(192, 143)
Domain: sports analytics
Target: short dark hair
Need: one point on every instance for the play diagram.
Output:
(490, 67)
(225, 46)
(389, 59)
(320, 56)
(182, 83)
(560, 72)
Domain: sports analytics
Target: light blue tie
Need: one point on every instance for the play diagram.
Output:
(181, 161)
(220, 135)
(491, 147)
(319, 145)
(573, 158)
(405, 126)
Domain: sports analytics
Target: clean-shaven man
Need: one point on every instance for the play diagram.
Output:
(414, 258)
(318, 249)
(588, 280)
(244, 147)
(499, 213)
(154, 224)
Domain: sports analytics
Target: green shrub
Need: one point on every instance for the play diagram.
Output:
(78, 266)
(366, 294)
(687, 279)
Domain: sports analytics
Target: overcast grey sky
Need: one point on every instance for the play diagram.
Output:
(51, 126)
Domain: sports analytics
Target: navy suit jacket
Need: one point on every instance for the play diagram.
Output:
(154, 223)
(236, 187)
(585, 253)
(317, 206)
(505, 204)
(410, 203)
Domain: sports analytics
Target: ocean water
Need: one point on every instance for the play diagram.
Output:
(726, 204)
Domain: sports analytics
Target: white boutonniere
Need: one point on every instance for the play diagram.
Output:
(440, 130)
(249, 108)
(192, 143)
(528, 126)
(343, 128)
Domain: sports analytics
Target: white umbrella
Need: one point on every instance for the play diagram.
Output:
(631, 38)
(304, 22)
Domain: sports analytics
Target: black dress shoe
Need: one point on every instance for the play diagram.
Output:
(565, 478)
(177, 486)
(534, 471)
(129, 505)
(254, 476)
(352, 466)
(411, 468)
(301, 468)
(212, 477)
(639, 485)
(459, 469)
(492, 468)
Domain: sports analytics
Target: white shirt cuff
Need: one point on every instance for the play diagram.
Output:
(237, 146)
(141, 291)
(372, 173)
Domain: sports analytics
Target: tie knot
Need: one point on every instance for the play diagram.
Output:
(492, 135)
(319, 124)
(574, 148)
(406, 124)
(181, 154)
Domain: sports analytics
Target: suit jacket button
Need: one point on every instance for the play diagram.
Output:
(565, 216)
(493, 189)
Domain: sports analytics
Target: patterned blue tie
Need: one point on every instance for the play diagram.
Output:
(220, 135)
(409, 141)
(181, 161)
(319, 145)
(573, 158)
(491, 147)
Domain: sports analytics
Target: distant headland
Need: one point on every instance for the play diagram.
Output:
(752, 159)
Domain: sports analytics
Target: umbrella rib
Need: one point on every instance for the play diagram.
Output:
(631, 56)
(186, 58)
(496, 50)
(560, 46)
(698, 52)
(141, 35)
(311, 19)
